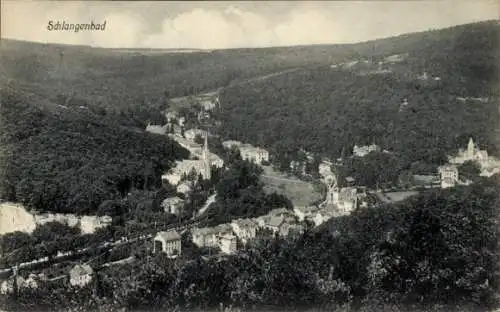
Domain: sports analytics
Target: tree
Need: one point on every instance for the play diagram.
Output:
(199, 139)
(469, 170)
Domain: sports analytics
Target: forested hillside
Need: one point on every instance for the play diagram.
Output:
(118, 79)
(327, 110)
(70, 160)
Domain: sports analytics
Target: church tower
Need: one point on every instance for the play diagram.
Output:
(470, 148)
(206, 160)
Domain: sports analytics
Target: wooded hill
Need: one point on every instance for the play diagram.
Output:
(70, 160)
(327, 110)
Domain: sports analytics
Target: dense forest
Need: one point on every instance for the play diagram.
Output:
(328, 111)
(433, 252)
(70, 160)
(119, 79)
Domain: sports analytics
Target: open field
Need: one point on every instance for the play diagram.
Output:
(301, 193)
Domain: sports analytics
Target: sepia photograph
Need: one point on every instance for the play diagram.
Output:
(241, 156)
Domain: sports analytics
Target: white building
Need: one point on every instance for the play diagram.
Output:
(448, 175)
(192, 133)
(168, 242)
(172, 205)
(80, 275)
(171, 115)
(361, 151)
(157, 129)
(227, 243)
(254, 154)
(209, 237)
(344, 199)
(245, 229)
(184, 188)
(231, 143)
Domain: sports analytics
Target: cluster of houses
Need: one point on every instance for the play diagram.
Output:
(78, 276)
(225, 237)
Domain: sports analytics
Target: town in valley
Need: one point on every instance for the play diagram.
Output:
(345, 177)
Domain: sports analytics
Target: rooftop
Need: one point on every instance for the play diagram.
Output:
(168, 235)
(81, 269)
(244, 222)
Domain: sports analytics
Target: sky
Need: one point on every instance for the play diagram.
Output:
(221, 25)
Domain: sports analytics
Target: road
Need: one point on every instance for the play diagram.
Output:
(238, 83)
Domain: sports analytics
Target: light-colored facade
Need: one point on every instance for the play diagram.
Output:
(156, 129)
(227, 243)
(209, 237)
(168, 242)
(245, 229)
(448, 175)
(80, 275)
(192, 133)
(231, 143)
(172, 205)
(184, 188)
(344, 199)
(254, 154)
(361, 151)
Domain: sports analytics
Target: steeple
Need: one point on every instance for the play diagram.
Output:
(470, 148)
(206, 159)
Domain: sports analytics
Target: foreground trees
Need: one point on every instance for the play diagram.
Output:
(438, 248)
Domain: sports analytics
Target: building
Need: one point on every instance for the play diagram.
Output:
(172, 205)
(245, 229)
(325, 167)
(156, 129)
(448, 175)
(254, 154)
(177, 130)
(231, 143)
(171, 116)
(181, 121)
(188, 166)
(228, 243)
(192, 133)
(204, 237)
(296, 230)
(298, 167)
(7, 286)
(279, 224)
(473, 153)
(344, 199)
(80, 275)
(361, 151)
(396, 58)
(209, 103)
(303, 213)
(168, 242)
(184, 188)
(209, 237)
(321, 216)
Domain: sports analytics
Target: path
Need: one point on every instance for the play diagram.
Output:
(210, 200)
(239, 83)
